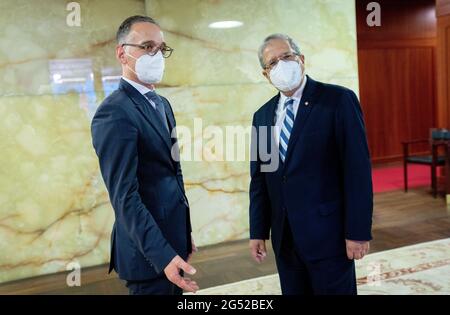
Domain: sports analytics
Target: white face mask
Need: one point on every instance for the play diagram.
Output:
(149, 69)
(286, 75)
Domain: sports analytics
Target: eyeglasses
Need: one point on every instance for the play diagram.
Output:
(152, 50)
(285, 57)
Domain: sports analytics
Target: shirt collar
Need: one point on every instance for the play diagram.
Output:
(141, 88)
(297, 96)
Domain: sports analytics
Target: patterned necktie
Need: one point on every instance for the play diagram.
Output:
(159, 106)
(286, 128)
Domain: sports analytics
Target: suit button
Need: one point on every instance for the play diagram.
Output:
(181, 200)
(284, 179)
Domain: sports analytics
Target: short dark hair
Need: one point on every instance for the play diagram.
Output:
(125, 27)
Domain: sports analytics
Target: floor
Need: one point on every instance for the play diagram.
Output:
(399, 219)
(421, 269)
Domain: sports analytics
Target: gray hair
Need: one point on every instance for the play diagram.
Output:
(125, 27)
(269, 38)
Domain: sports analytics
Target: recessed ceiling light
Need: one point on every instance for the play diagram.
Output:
(57, 77)
(226, 24)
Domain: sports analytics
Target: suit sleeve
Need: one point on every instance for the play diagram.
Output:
(356, 168)
(260, 211)
(115, 141)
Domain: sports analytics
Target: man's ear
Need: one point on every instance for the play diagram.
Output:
(302, 58)
(120, 54)
(266, 75)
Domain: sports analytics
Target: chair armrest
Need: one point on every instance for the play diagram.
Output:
(440, 144)
(406, 144)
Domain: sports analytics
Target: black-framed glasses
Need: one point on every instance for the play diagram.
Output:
(285, 57)
(152, 50)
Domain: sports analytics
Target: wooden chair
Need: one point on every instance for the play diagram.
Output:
(433, 160)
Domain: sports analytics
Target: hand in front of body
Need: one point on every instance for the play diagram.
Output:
(258, 250)
(172, 272)
(357, 249)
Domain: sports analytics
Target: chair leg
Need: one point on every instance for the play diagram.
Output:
(434, 181)
(405, 175)
(434, 156)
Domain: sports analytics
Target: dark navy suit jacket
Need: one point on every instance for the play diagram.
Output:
(324, 188)
(144, 182)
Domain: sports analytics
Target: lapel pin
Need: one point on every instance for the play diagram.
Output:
(306, 103)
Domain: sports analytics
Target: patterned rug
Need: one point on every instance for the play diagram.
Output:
(412, 270)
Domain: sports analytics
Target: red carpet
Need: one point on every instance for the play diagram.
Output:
(391, 178)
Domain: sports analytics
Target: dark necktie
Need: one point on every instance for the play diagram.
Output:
(159, 107)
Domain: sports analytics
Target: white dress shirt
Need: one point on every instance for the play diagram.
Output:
(141, 89)
(280, 112)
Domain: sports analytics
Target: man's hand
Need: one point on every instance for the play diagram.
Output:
(172, 272)
(258, 250)
(357, 249)
(194, 249)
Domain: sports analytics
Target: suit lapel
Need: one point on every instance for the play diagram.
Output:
(169, 115)
(270, 123)
(304, 109)
(150, 114)
(174, 141)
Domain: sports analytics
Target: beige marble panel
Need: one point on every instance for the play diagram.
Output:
(54, 208)
(325, 30)
(36, 32)
(217, 186)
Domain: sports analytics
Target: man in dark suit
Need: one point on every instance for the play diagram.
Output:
(131, 132)
(314, 193)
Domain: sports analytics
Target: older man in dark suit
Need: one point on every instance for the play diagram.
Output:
(315, 192)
